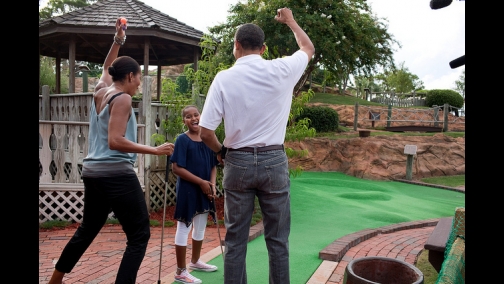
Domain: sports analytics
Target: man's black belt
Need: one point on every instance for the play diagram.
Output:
(258, 149)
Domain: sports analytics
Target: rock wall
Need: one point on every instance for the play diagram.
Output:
(382, 157)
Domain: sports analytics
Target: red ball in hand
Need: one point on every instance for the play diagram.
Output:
(124, 21)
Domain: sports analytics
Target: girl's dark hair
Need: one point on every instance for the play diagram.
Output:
(122, 66)
(250, 36)
(186, 107)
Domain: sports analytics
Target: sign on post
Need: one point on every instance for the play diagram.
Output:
(410, 149)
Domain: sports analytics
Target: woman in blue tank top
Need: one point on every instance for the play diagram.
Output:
(110, 182)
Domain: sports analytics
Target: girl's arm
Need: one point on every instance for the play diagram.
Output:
(206, 186)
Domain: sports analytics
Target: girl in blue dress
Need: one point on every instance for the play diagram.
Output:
(194, 164)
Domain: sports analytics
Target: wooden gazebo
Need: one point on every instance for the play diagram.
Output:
(152, 37)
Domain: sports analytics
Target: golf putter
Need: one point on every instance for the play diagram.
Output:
(164, 216)
(218, 230)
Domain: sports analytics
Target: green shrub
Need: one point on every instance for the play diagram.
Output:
(48, 76)
(421, 93)
(182, 84)
(323, 119)
(441, 97)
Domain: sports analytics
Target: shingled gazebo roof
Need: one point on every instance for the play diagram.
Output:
(91, 29)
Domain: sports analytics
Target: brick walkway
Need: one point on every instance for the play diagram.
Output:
(403, 241)
(100, 262)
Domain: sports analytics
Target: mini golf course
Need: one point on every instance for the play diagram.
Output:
(329, 205)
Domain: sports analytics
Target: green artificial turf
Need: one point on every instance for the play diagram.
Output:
(329, 205)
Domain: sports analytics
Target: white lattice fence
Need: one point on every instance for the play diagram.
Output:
(66, 201)
(62, 202)
(157, 189)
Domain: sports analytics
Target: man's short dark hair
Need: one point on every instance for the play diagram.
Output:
(250, 36)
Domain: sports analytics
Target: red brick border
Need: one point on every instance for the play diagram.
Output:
(337, 249)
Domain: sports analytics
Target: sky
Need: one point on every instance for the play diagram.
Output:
(430, 38)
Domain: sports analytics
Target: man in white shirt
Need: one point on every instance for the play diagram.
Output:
(254, 97)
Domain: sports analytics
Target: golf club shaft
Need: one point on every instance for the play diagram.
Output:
(218, 230)
(164, 215)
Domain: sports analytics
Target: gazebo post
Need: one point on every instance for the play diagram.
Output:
(145, 117)
(146, 56)
(158, 82)
(71, 65)
(195, 60)
(58, 74)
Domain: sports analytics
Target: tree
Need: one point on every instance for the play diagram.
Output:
(348, 38)
(400, 80)
(361, 83)
(48, 76)
(460, 84)
(58, 7)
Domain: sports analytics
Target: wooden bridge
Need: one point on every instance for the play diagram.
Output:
(417, 128)
(434, 119)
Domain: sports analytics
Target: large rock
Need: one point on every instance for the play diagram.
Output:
(382, 157)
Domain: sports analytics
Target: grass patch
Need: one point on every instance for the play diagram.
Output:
(62, 224)
(220, 222)
(169, 223)
(156, 223)
(452, 181)
(429, 273)
(54, 223)
(112, 221)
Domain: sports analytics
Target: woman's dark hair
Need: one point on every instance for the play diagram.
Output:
(122, 66)
(250, 36)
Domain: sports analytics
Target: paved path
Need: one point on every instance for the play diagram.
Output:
(100, 262)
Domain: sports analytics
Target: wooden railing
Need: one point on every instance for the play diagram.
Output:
(62, 147)
(63, 130)
(400, 102)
